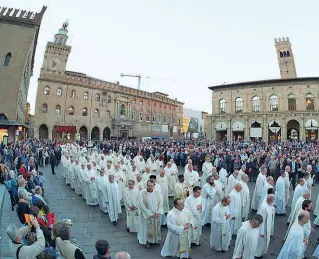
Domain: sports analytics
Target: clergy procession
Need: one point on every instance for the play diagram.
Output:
(158, 190)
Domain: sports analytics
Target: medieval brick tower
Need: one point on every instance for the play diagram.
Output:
(285, 58)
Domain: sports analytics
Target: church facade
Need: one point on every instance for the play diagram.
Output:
(76, 106)
(275, 109)
(19, 31)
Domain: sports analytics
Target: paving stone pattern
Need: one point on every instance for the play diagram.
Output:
(90, 224)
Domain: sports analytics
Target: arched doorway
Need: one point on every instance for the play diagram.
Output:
(83, 133)
(95, 134)
(221, 131)
(43, 132)
(311, 129)
(293, 130)
(255, 130)
(274, 131)
(238, 130)
(56, 135)
(106, 133)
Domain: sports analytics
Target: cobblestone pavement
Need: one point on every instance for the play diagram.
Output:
(90, 224)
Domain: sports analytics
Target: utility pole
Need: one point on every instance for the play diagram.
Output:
(138, 77)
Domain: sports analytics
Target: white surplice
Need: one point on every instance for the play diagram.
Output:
(220, 234)
(163, 182)
(207, 171)
(245, 197)
(208, 193)
(113, 200)
(101, 182)
(235, 208)
(191, 204)
(132, 215)
(297, 193)
(191, 180)
(90, 187)
(175, 224)
(266, 228)
(280, 196)
(232, 181)
(246, 242)
(257, 192)
(294, 213)
(172, 179)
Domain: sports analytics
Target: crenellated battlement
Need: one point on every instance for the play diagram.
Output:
(83, 80)
(21, 16)
(282, 40)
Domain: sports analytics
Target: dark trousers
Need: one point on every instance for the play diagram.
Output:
(294, 179)
(52, 168)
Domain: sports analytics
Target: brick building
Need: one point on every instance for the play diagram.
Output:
(275, 109)
(19, 31)
(74, 105)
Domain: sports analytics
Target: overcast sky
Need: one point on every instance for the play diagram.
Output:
(184, 46)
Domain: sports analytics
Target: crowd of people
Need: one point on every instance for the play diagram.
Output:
(183, 185)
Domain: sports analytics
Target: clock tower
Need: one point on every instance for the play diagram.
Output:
(57, 52)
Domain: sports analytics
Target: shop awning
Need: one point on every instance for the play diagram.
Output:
(221, 126)
(238, 126)
(10, 123)
(66, 129)
(311, 124)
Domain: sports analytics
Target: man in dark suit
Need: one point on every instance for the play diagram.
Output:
(294, 173)
(52, 161)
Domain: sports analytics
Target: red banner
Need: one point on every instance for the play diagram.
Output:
(66, 129)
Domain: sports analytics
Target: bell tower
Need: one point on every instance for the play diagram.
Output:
(57, 52)
(285, 58)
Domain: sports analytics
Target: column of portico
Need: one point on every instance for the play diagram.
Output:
(283, 129)
(247, 135)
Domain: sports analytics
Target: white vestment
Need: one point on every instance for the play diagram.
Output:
(220, 234)
(77, 176)
(90, 187)
(101, 182)
(176, 233)
(232, 181)
(223, 177)
(246, 242)
(245, 197)
(149, 203)
(297, 193)
(208, 193)
(132, 214)
(294, 213)
(280, 196)
(235, 208)
(257, 192)
(163, 182)
(287, 185)
(172, 179)
(207, 171)
(191, 204)
(266, 228)
(294, 245)
(113, 200)
(191, 180)
(264, 193)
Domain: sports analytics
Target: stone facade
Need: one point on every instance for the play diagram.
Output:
(98, 109)
(277, 109)
(19, 32)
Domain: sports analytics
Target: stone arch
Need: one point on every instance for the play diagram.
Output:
(293, 130)
(3, 116)
(83, 132)
(95, 133)
(43, 132)
(107, 133)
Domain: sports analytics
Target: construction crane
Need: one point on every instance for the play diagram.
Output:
(139, 76)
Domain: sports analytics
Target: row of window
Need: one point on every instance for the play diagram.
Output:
(98, 97)
(273, 103)
(166, 119)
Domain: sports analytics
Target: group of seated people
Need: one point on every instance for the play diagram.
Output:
(40, 236)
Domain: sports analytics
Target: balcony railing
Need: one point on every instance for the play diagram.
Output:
(123, 120)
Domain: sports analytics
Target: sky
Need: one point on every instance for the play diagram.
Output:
(180, 47)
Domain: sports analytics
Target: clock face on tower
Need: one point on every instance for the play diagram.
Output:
(54, 64)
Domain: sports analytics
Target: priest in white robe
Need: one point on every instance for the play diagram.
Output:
(101, 184)
(90, 186)
(191, 178)
(295, 243)
(298, 206)
(280, 195)
(268, 184)
(267, 211)
(77, 175)
(162, 180)
(146, 176)
(208, 194)
(287, 183)
(71, 174)
(297, 193)
(235, 208)
(220, 234)
(172, 178)
(258, 188)
(245, 196)
(223, 176)
(247, 239)
(232, 181)
(150, 204)
(218, 187)
(206, 169)
(140, 164)
(181, 189)
(194, 203)
(130, 194)
(139, 183)
(113, 200)
(178, 239)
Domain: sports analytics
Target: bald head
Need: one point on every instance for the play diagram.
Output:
(270, 180)
(303, 217)
(122, 255)
(245, 178)
(270, 198)
(306, 195)
(238, 187)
